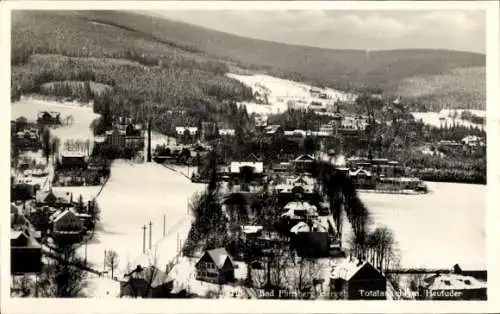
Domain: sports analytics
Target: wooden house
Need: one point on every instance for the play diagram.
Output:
(303, 163)
(310, 239)
(357, 280)
(147, 282)
(25, 253)
(49, 117)
(215, 266)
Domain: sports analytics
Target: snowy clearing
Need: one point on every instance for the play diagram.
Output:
(433, 118)
(82, 114)
(435, 230)
(135, 195)
(280, 91)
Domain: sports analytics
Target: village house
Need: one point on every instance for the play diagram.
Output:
(147, 282)
(26, 140)
(72, 160)
(227, 132)
(260, 121)
(317, 106)
(282, 167)
(49, 118)
(310, 239)
(362, 178)
(450, 145)
(274, 130)
(296, 212)
(291, 188)
(66, 220)
(473, 141)
(182, 131)
(53, 198)
(116, 138)
(295, 135)
(357, 280)
(25, 253)
(247, 170)
(215, 266)
(453, 287)
(303, 163)
(67, 225)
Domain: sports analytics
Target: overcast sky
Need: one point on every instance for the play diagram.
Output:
(456, 30)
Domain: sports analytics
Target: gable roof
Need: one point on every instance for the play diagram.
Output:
(304, 227)
(61, 196)
(349, 269)
(305, 157)
(52, 114)
(60, 214)
(360, 171)
(219, 257)
(257, 165)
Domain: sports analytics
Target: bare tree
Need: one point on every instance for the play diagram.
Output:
(380, 248)
(306, 271)
(111, 261)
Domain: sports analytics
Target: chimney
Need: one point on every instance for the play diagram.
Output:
(149, 142)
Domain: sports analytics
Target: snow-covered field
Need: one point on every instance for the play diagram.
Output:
(435, 230)
(82, 114)
(432, 118)
(135, 195)
(280, 91)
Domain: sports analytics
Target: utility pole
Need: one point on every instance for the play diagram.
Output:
(144, 239)
(86, 252)
(149, 141)
(150, 233)
(164, 224)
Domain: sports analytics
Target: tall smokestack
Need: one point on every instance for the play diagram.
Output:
(149, 141)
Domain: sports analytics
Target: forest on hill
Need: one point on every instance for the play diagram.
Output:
(171, 66)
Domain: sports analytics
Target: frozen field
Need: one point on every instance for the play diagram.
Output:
(436, 230)
(82, 114)
(280, 91)
(432, 118)
(135, 195)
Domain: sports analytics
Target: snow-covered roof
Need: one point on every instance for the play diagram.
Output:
(60, 195)
(227, 132)
(15, 234)
(258, 166)
(287, 188)
(251, 229)
(304, 227)
(360, 171)
(99, 139)
(72, 154)
(471, 138)
(348, 269)
(181, 129)
(305, 157)
(299, 206)
(454, 282)
(219, 256)
(60, 214)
